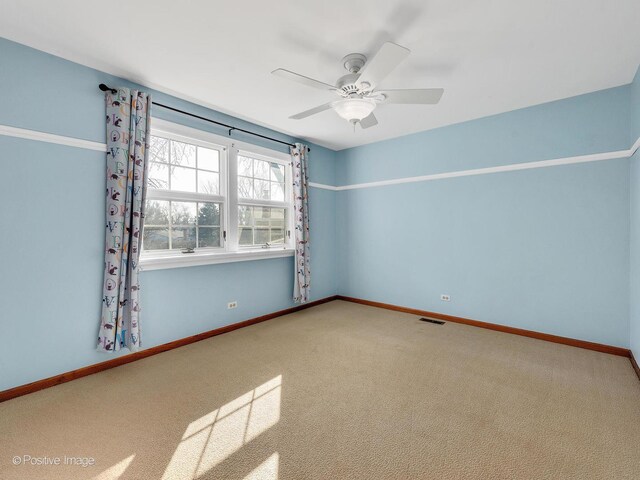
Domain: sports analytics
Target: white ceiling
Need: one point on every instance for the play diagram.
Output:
(490, 56)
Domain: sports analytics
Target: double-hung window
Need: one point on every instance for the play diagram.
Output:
(211, 199)
(262, 209)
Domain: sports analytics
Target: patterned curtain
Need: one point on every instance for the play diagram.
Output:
(302, 278)
(128, 122)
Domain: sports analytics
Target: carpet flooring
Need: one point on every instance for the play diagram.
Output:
(338, 391)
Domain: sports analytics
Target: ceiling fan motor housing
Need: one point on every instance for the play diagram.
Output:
(347, 85)
(354, 62)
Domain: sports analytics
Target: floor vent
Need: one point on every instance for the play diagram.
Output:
(431, 320)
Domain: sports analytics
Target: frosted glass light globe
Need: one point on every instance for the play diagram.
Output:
(354, 109)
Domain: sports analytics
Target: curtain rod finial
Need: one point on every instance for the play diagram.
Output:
(104, 88)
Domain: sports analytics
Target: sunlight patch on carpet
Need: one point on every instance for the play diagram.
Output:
(212, 438)
(267, 470)
(115, 472)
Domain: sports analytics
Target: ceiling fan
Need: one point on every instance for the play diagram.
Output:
(357, 89)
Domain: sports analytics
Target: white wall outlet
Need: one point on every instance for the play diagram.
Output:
(231, 305)
(445, 298)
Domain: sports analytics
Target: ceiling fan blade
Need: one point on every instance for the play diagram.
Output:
(369, 121)
(313, 111)
(309, 82)
(382, 64)
(424, 96)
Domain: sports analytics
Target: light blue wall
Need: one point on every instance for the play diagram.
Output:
(51, 247)
(635, 221)
(586, 124)
(542, 249)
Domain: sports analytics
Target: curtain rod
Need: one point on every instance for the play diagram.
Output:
(231, 128)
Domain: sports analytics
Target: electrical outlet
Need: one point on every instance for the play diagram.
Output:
(231, 305)
(445, 298)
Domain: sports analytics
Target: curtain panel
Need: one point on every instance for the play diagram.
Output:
(302, 280)
(128, 122)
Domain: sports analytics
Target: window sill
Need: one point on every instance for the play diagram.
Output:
(194, 259)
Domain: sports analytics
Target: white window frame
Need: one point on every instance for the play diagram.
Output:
(254, 202)
(230, 250)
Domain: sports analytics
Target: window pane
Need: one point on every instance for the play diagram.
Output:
(277, 172)
(183, 179)
(183, 154)
(208, 213)
(246, 236)
(261, 169)
(156, 213)
(158, 176)
(159, 150)
(208, 182)
(268, 225)
(245, 216)
(245, 187)
(245, 166)
(277, 213)
(183, 213)
(262, 236)
(277, 235)
(208, 236)
(208, 159)
(261, 188)
(275, 223)
(277, 191)
(261, 216)
(183, 237)
(155, 238)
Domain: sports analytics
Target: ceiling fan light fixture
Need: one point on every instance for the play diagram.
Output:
(354, 109)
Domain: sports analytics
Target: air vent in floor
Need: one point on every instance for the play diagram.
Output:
(431, 320)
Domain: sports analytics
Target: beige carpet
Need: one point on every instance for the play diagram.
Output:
(339, 391)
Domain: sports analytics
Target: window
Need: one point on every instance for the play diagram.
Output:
(213, 199)
(262, 209)
(184, 204)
